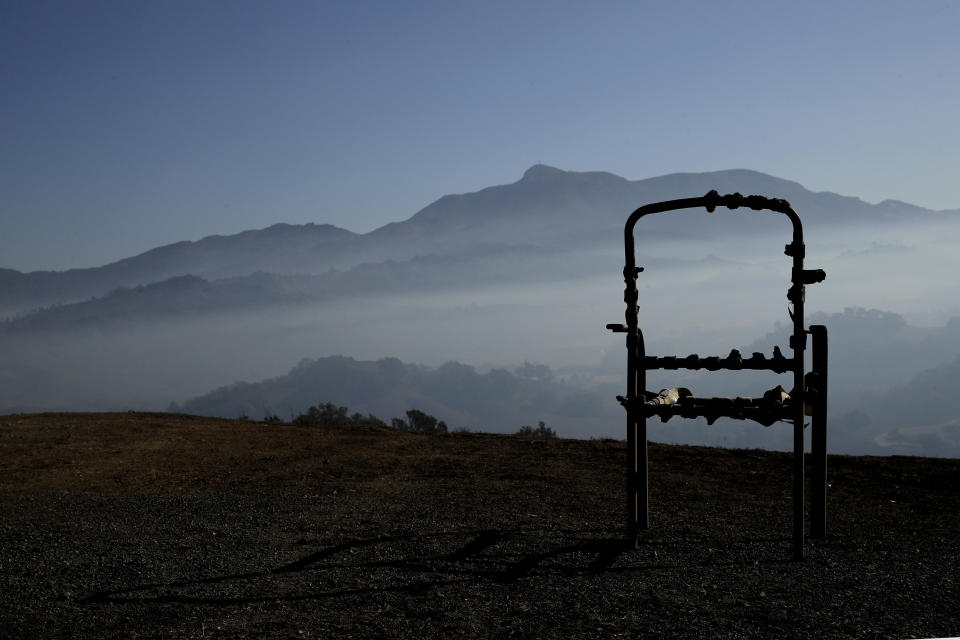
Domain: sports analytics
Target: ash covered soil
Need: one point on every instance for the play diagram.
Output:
(160, 525)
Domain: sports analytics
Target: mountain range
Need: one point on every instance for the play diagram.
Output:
(547, 211)
(524, 271)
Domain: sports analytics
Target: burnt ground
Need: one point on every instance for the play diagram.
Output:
(159, 525)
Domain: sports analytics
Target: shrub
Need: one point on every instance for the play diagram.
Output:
(419, 421)
(542, 431)
(330, 415)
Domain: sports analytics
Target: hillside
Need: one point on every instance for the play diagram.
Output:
(454, 392)
(159, 525)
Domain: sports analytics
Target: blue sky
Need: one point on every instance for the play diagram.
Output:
(127, 125)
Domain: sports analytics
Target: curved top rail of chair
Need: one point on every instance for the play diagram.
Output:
(710, 202)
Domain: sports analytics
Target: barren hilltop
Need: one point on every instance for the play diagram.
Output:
(162, 525)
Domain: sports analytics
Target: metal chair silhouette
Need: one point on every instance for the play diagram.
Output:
(809, 390)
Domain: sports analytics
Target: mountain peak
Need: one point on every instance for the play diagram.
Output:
(542, 172)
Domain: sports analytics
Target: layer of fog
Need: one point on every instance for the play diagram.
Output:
(696, 297)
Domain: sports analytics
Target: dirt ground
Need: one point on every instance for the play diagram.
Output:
(157, 525)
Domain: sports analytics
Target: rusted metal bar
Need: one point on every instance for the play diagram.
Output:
(818, 445)
(734, 362)
(766, 410)
(638, 511)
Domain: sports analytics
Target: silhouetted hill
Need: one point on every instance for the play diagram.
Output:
(281, 248)
(455, 393)
(176, 296)
(921, 416)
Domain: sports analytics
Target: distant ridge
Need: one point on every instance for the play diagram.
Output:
(547, 206)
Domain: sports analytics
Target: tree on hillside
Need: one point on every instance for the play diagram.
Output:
(531, 371)
(330, 415)
(542, 431)
(419, 421)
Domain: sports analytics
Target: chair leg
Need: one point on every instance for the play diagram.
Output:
(818, 480)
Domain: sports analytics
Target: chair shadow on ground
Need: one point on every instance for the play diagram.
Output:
(490, 555)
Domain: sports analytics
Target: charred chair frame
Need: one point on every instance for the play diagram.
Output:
(809, 390)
